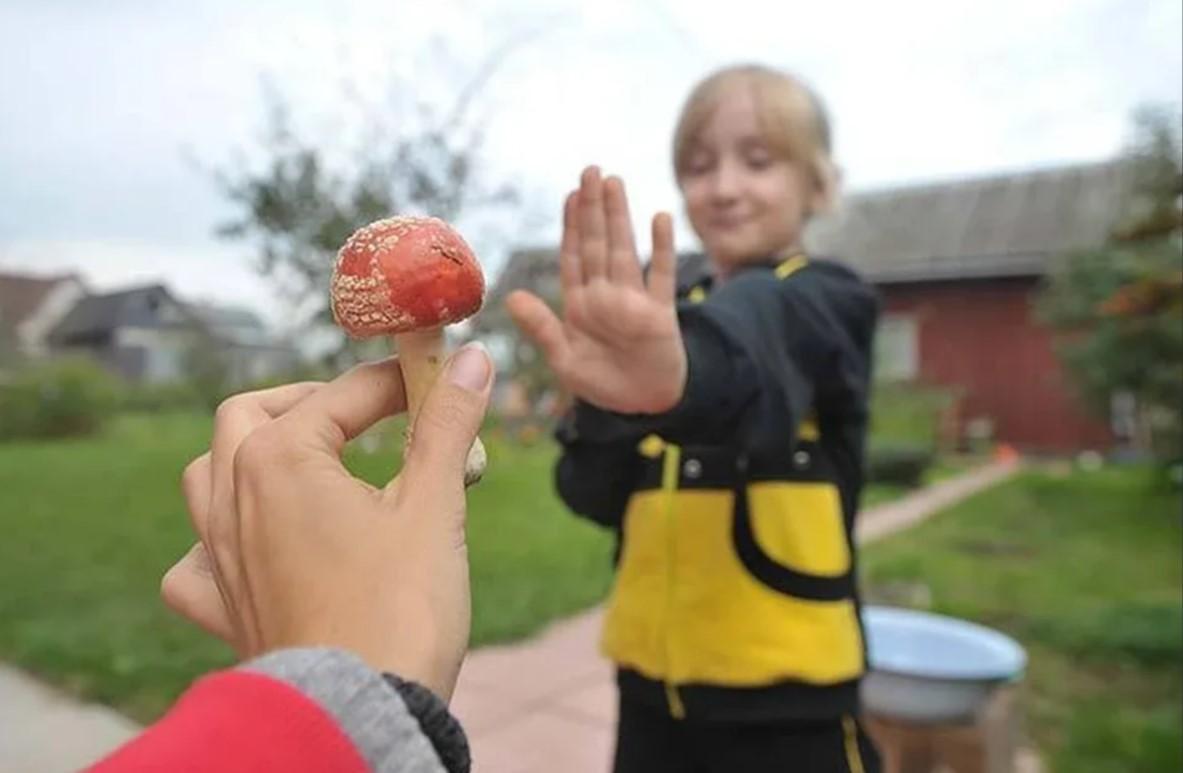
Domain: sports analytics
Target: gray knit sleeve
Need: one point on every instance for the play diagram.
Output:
(368, 710)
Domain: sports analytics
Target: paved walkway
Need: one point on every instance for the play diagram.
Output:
(45, 731)
(538, 706)
(889, 518)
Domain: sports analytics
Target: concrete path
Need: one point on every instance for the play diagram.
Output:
(892, 517)
(45, 731)
(537, 706)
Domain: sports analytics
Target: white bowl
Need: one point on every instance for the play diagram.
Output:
(931, 668)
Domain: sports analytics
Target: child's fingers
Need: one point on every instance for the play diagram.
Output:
(622, 247)
(534, 318)
(593, 236)
(663, 267)
(570, 273)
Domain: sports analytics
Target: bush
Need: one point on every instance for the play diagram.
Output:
(151, 398)
(900, 464)
(299, 372)
(196, 394)
(58, 399)
(909, 414)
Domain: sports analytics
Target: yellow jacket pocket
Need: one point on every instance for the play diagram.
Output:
(800, 525)
(687, 608)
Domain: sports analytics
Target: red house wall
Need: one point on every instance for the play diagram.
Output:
(982, 337)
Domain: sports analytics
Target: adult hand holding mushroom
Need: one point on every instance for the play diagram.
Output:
(409, 277)
(386, 576)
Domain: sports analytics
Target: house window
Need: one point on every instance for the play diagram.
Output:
(897, 349)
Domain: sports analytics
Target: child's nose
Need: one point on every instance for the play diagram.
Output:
(725, 182)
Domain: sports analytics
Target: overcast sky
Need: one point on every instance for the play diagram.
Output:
(101, 103)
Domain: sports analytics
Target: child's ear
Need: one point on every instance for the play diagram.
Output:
(824, 193)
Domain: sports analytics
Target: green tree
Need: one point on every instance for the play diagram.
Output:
(1119, 309)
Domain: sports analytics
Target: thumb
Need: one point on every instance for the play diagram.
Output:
(536, 320)
(448, 423)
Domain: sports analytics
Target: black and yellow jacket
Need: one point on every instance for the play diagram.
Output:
(735, 595)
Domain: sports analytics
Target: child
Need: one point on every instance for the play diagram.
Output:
(722, 435)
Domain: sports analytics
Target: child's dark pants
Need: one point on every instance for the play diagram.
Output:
(651, 741)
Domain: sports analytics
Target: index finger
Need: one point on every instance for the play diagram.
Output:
(241, 414)
(663, 268)
(348, 405)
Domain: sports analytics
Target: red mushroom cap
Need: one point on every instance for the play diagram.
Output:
(402, 274)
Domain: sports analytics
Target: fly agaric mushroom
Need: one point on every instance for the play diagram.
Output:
(408, 277)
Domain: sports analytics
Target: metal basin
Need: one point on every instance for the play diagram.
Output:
(932, 668)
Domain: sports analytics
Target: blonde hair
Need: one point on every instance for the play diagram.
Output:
(793, 118)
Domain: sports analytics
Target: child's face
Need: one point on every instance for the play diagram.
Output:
(745, 202)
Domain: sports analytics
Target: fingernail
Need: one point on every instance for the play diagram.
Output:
(470, 368)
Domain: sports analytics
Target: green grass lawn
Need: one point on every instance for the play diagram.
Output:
(943, 469)
(1085, 570)
(90, 525)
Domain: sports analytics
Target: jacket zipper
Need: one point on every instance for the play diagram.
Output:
(671, 467)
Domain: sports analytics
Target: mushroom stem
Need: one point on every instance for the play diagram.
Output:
(421, 356)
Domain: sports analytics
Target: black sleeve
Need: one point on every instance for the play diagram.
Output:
(598, 467)
(437, 723)
(761, 353)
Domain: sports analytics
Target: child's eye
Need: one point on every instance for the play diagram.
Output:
(699, 164)
(758, 160)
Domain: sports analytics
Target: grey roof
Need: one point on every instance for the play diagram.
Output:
(232, 324)
(1001, 225)
(21, 295)
(226, 316)
(145, 307)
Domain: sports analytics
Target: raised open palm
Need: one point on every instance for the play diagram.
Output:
(618, 345)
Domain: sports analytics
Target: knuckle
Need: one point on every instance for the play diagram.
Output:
(177, 586)
(255, 453)
(171, 587)
(229, 408)
(195, 475)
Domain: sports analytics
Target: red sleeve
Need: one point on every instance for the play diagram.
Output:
(235, 722)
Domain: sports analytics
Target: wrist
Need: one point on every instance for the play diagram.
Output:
(423, 651)
(673, 391)
(670, 395)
